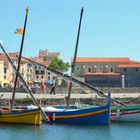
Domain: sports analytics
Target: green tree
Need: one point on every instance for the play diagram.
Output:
(59, 64)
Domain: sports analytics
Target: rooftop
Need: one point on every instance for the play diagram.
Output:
(135, 65)
(100, 60)
(102, 73)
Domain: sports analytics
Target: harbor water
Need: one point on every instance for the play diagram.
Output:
(116, 131)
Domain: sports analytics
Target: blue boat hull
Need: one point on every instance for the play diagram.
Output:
(89, 115)
(99, 115)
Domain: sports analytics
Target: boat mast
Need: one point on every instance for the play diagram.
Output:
(19, 58)
(74, 59)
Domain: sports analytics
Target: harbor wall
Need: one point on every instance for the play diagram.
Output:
(63, 90)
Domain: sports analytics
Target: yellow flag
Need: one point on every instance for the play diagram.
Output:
(19, 31)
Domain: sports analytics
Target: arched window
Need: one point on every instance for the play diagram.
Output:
(49, 78)
(111, 69)
(106, 66)
(89, 69)
(78, 68)
(84, 68)
(100, 69)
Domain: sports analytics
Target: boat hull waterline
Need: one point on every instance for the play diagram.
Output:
(131, 116)
(32, 116)
(89, 115)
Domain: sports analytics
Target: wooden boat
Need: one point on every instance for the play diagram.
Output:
(31, 116)
(89, 115)
(126, 114)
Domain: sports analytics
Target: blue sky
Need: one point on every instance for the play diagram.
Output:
(110, 28)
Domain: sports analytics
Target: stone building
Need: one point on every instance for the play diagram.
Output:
(47, 56)
(108, 72)
(131, 73)
(44, 58)
(33, 72)
(40, 73)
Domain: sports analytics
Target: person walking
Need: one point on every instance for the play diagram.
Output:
(43, 87)
(53, 87)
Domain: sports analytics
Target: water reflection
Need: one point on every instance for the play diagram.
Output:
(70, 132)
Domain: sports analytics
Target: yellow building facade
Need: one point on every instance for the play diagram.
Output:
(1, 73)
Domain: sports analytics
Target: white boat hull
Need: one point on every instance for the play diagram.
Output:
(131, 116)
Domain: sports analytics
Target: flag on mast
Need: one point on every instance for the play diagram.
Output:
(19, 31)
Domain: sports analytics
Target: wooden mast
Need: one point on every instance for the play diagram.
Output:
(19, 59)
(74, 59)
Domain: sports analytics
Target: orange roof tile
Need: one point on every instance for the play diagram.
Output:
(134, 65)
(132, 61)
(99, 60)
(103, 74)
(39, 61)
(46, 63)
(16, 58)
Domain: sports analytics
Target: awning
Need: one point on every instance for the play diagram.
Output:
(6, 81)
(30, 81)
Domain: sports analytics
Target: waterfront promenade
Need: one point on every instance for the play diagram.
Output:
(8, 95)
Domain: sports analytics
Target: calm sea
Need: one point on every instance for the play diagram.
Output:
(116, 131)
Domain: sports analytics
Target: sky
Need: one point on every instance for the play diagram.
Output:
(110, 28)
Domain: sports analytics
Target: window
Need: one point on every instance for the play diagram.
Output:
(42, 72)
(37, 72)
(36, 77)
(100, 69)
(5, 70)
(125, 69)
(78, 68)
(136, 69)
(35, 67)
(49, 78)
(95, 68)
(48, 73)
(4, 76)
(111, 70)
(29, 65)
(42, 77)
(44, 59)
(89, 69)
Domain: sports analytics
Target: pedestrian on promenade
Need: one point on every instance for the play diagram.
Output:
(43, 87)
(53, 87)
